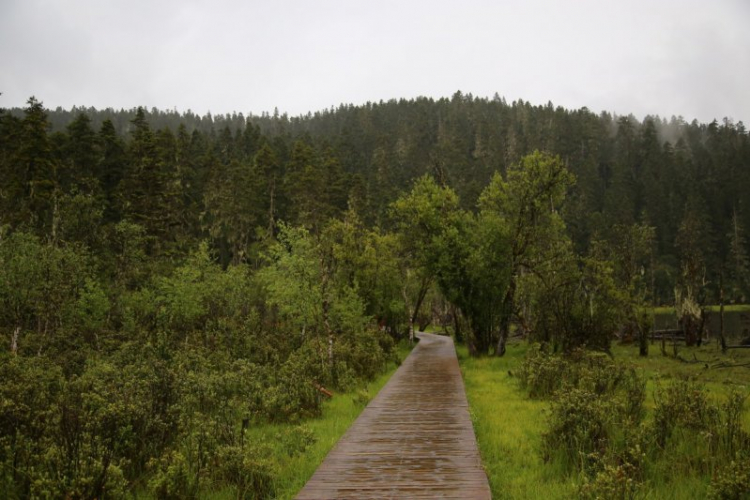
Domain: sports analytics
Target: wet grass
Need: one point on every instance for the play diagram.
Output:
(509, 425)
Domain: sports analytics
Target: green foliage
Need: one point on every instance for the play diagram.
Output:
(685, 408)
(598, 425)
(595, 402)
(142, 358)
(578, 426)
(731, 482)
(577, 304)
(614, 481)
(48, 295)
(527, 203)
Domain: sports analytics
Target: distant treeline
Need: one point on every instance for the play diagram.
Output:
(664, 173)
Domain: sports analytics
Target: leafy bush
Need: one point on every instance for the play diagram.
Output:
(543, 374)
(246, 468)
(731, 482)
(173, 477)
(296, 440)
(614, 482)
(682, 404)
(578, 427)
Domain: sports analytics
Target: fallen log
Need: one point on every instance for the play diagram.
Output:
(323, 390)
(728, 365)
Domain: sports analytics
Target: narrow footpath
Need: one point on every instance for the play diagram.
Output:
(414, 439)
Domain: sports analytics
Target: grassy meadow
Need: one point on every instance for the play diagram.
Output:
(510, 425)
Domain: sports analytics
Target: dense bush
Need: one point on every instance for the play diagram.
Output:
(597, 425)
(156, 378)
(732, 482)
(543, 375)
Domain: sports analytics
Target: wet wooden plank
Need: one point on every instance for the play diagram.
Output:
(414, 439)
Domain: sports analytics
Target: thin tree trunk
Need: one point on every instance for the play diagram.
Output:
(456, 324)
(271, 221)
(721, 313)
(507, 310)
(642, 340)
(424, 288)
(14, 340)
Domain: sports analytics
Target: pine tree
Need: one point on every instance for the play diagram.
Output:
(110, 168)
(80, 152)
(146, 191)
(35, 166)
(738, 264)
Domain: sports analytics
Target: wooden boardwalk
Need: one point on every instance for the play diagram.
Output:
(414, 439)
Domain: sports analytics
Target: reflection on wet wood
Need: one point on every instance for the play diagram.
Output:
(414, 440)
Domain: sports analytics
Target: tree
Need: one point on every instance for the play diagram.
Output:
(147, 191)
(304, 283)
(421, 217)
(737, 262)
(573, 302)
(110, 168)
(473, 272)
(81, 155)
(232, 208)
(527, 203)
(693, 244)
(629, 251)
(267, 176)
(35, 172)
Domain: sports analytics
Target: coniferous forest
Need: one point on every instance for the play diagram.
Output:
(168, 281)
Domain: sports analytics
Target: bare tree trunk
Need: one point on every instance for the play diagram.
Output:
(412, 311)
(14, 340)
(701, 327)
(507, 310)
(271, 221)
(642, 339)
(456, 324)
(423, 289)
(721, 313)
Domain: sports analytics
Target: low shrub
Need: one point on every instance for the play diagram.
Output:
(578, 427)
(613, 482)
(246, 468)
(731, 482)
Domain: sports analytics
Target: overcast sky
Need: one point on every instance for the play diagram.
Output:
(681, 57)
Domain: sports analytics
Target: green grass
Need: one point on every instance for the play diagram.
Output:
(706, 364)
(509, 425)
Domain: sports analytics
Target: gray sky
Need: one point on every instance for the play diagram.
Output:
(681, 57)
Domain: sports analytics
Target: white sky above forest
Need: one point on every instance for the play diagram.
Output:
(665, 57)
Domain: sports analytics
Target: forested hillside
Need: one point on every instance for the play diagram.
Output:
(168, 281)
(668, 174)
